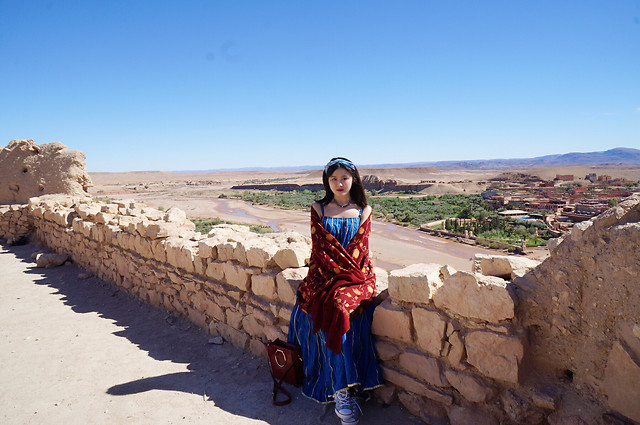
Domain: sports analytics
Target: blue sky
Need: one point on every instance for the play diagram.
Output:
(195, 85)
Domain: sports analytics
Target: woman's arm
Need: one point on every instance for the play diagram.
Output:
(366, 212)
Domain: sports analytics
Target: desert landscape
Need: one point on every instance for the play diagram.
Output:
(198, 194)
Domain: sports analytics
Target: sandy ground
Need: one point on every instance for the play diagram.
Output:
(79, 351)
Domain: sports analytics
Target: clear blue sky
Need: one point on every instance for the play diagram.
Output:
(194, 85)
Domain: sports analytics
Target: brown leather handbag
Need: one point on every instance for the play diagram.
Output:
(285, 363)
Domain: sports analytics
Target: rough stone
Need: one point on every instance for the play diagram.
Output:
(238, 275)
(391, 322)
(471, 387)
(414, 283)
(264, 285)
(425, 409)
(430, 327)
(259, 252)
(413, 385)
(288, 281)
(422, 367)
(494, 355)
(387, 394)
(387, 351)
(476, 297)
(292, 256)
(621, 379)
(50, 260)
(30, 170)
(503, 266)
(456, 352)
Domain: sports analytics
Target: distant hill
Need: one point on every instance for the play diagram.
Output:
(616, 156)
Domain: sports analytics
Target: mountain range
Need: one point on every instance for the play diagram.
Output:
(616, 156)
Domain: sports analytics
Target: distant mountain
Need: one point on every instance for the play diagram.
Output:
(623, 156)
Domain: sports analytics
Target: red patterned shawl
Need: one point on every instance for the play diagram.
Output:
(339, 281)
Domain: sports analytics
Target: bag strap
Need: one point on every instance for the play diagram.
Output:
(277, 386)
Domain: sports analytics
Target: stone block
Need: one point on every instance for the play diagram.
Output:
(387, 351)
(414, 283)
(413, 385)
(188, 252)
(159, 250)
(234, 318)
(238, 275)
(471, 387)
(391, 322)
(226, 251)
(294, 255)
(252, 327)
(264, 285)
(503, 266)
(288, 281)
(160, 229)
(477, 297)
(621, 378)
(423, 367)
(456, 351)
(430, 329)
(259, 252)
(207, 248)
(215, 270)
(258, 348)
(272, 333)
(173, 247)
(495, 355)
(386, 394)
(382, 280)
(429, 412)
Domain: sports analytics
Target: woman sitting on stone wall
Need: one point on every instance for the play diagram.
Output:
(331, 320)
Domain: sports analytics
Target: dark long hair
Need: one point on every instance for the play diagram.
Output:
(357, 189)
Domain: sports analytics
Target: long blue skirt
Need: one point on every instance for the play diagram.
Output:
(326, 372)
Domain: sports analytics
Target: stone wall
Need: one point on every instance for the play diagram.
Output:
(455, 347)
(28, 169)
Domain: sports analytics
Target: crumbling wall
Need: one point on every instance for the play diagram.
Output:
(489, 347)
(28, 170)
(582, 309)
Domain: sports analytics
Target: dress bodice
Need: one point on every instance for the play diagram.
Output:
(342, 228)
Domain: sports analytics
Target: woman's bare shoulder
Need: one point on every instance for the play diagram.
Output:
(316, 206)
(366, 212)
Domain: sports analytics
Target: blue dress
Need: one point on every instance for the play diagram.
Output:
(356, 367)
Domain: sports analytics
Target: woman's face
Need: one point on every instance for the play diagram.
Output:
(340, 181)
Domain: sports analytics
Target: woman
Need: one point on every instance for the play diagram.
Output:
(331, 320)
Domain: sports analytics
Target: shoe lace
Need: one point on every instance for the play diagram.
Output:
(342, 398)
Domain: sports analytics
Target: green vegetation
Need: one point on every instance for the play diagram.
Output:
(203, 225)
(297, 199)
(463, 212)
(416, 211)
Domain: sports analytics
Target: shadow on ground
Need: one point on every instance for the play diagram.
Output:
(230, 378)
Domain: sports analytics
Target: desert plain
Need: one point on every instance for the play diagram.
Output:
(392, 246)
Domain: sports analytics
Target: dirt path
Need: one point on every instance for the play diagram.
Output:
(79, 351)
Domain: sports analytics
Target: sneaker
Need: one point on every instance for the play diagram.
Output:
(343, 409)
(347, 408)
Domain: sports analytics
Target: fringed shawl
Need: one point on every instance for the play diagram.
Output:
(338, 282)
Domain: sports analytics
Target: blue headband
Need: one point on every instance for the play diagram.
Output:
(343, 162)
